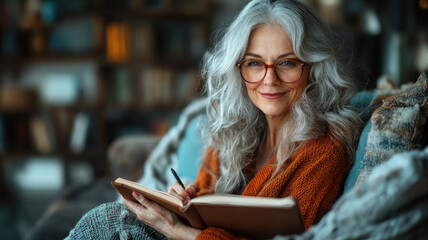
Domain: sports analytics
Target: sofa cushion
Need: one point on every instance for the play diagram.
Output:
(189, 150)
(397, 126)
(359, 155)
(363, 103)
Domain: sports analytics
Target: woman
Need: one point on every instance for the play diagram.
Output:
(277, 124)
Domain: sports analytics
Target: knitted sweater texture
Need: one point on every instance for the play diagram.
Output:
(313, 175)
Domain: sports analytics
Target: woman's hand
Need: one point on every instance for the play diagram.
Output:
(183, 194)
(160, 218)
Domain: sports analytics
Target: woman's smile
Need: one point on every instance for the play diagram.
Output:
(273, 95)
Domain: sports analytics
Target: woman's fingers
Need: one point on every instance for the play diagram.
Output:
(147, 211)
(142, 209)
(136, 208)
(160, 218)
(177, 190)
(191, 191)
(153, 214)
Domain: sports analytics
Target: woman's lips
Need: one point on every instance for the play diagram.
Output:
(272, 95)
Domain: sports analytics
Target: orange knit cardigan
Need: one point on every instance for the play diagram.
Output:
(313, 175)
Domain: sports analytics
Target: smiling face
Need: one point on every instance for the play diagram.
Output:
(270, 44)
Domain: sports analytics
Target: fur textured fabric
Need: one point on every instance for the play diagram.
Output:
(391, 204)
(397, 126)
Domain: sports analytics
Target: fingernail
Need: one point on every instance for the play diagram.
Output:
(186, 202)
(188, 192)
(136, 195)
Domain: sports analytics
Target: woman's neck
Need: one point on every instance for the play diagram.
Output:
(264, 152)
(269, 143)
(275, 124)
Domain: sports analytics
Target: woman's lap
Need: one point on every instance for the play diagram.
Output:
(112, 221)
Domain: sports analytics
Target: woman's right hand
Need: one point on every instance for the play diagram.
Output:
(183, 194)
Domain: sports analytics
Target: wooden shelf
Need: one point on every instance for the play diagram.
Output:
(63, 154)
(161, 62)
(157, 15)
(134, 108)
(14, 61)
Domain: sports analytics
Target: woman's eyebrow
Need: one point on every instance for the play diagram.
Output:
(259, 56)
(286, 55)
(253, 55)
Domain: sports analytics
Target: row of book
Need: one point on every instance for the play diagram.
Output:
(72, 38)
(77, 132)
(47, 133)
(147, 40)
(152, 86)
(158, 5)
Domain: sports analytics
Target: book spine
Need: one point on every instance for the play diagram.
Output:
(42, 133)
(2, 145)
(79, 134)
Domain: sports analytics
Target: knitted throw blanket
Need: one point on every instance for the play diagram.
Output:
(391, 204)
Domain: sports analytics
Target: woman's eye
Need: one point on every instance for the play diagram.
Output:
(287, 63)
(253, 64)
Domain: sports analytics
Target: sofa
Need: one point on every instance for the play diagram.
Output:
(384, 195)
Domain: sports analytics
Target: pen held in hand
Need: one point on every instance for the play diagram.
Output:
(177, 178)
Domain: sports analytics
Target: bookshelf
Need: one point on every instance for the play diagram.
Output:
(92, 71)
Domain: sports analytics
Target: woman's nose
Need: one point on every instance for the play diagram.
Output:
(271, 79)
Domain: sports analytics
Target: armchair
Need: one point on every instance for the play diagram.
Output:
(390, 148)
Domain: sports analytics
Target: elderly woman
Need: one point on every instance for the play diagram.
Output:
(278, 124)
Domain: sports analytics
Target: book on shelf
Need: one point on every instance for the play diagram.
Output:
(64, 120)
(80, 132)
(121, 87)
(74, 36)
(155, 84)
(42, 133)
(142, 37)
(118, 41)
(253, 217)
(198, 37)
(2, 138)
(187, 86)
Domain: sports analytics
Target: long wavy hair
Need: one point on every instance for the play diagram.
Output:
(236, 127)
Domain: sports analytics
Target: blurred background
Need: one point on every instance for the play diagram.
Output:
(76, 75)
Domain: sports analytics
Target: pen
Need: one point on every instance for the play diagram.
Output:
(177, 178)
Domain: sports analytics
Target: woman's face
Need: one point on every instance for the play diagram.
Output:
(270, 44)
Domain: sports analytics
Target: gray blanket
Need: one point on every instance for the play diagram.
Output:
(391, 204)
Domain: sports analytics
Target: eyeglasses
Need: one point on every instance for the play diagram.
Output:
(288, 70)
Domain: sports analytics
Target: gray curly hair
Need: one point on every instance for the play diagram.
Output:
(236, 127)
